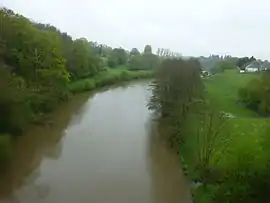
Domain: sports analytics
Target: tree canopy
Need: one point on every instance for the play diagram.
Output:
(38, 62)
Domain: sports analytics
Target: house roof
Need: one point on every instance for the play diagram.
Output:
(254, 64)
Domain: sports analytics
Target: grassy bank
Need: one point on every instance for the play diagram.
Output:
(108, 77)
(230, 156)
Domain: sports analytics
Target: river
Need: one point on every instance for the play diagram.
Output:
(100, 148)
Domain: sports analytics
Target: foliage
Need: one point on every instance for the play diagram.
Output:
(147, 49)
(144, 62)
(217, 69)
(107, 78)
(225, 65)
(33, 67)
(242, 62)
(166, 53)
(176, 88)
(240, 167)
(255, 95)
(112, 62)
(40, 66)
(134, 52)
(13, 103)
(119, 55)
(207, 135)
(5, 150)
(227, 157)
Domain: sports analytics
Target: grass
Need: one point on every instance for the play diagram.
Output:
(108, 77)
(223, 91)
(246, 135)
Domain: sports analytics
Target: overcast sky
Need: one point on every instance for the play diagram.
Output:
(191, 27)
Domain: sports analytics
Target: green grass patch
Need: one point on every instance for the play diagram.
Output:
(108, 77)
(223, 91)
(232, 155)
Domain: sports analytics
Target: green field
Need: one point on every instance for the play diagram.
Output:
(223, 91)
(223, 94)
(247, 135)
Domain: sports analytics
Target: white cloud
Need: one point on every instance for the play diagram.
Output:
(192, 27)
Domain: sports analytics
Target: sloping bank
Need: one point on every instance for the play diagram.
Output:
(105, 78)
(109, 77)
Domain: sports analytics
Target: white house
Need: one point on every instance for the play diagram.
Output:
(256, 66)
(252, 67)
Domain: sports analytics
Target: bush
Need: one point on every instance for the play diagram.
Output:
(5, 147)
(112, 62)
(255, 95)
(108, 77)
(82, 85)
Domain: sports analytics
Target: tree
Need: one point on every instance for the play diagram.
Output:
(144, 62)
(158, 51)
(242, 62)
(37, 64)
(112, 62)
(134, 52)
(120, 55)
(147, 49)
(135, 63)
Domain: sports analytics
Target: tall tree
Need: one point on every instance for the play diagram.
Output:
(120, 55)
(147, 49)
(134, 52)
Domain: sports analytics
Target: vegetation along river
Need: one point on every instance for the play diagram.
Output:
(99, 148)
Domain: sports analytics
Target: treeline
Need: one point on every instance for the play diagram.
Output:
(177, 91)
(217, 64)
(40, 66)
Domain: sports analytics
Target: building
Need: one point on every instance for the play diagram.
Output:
(253, 67)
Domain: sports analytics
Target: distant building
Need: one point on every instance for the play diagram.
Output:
(250, 68)
(253, 67)
(205, 74)
(265, 66)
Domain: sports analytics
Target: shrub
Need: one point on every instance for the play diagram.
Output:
(112, 62)
(5, 147)
(255, 95)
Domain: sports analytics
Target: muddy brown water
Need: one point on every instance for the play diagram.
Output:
(101, 148)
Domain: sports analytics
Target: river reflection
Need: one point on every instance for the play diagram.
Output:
(100, 148)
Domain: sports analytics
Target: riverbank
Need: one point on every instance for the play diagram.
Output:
(108, 77)
(105, 78)
(230, 156)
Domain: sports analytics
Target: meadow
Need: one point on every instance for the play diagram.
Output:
(228, 156)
